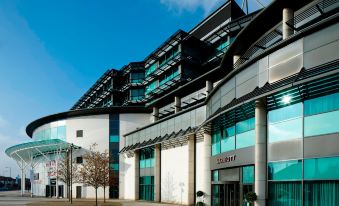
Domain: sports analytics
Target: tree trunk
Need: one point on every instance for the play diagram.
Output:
(96, 196)
(104, 193)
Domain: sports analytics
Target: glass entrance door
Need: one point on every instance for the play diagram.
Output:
(226, 194)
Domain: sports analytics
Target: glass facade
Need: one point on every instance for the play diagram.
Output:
(240, 135)
(50, 133)
(137, 94)
(285, 123)
(320, 114)
(152, 86)
(146, 156)
(114, 139)
(284, 186)
(169, 55)
(137, 77)
(168, 76)
(146, 188)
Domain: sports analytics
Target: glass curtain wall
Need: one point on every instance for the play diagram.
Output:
(114, 140)
(228, 135)
(146, 183)
(285, 182)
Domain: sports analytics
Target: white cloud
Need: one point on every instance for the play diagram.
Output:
(179, 6)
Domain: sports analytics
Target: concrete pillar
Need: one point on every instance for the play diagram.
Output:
(137, 174)
(287, 15)
(155, 114)
(157, 173)
(23, 182)
(177, 104)
(209, 86)
(260, 152)
(191, 168)
(206, 186)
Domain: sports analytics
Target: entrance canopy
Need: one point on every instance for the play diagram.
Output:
(26, 152)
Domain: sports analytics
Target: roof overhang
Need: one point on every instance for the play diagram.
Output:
(28, 151)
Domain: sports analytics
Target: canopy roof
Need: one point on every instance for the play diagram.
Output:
(28, 151)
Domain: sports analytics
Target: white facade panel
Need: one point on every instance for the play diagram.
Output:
(174, 175)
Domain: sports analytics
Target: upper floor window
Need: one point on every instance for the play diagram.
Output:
(79, 160)
(79, 133)
(137, 77)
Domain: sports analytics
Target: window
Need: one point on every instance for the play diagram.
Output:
(169, 55)
(284, 187)
(146, 158)
(79, 133)
(114, 166)
(146, 188)
(152, 86)
(321, 185)
(79, 160)
(285, 170)
(321, 168)
(248, 175)
(215, 176)
(228, 139)
(321, 115)
(151, 69)
(173, 73)
(137, 77)
(137, 94)
(245, 134)
(285, 123)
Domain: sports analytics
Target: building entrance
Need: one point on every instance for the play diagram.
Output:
(226, 194)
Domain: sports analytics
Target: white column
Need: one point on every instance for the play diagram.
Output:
(137, 175)
(155, 114)
(157, 173)
(56, 180)
(177, 104)
(191, 168)
(206, 173)
(287, 15)
(260, 152)
(23, 181)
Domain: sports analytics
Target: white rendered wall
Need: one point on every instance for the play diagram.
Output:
(95, 130)
(199, 167)
(128, 123)
(174, 175)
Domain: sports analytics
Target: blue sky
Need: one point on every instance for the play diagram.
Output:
(51, 52)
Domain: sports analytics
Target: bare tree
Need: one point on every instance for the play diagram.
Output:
(93, 169)
(104, 181)
(64, 172)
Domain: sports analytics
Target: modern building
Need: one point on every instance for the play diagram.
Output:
(241, 103)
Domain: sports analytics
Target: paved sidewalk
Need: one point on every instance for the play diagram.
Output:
(13, 198)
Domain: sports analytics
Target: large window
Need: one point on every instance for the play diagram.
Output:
(137, 77)
(151, 69)
(245, 134)
(51, 133)
(169, 55)
(284, 187)
(168, 76)
(146, 188)
(285, 123)
(137, 94)
(321, 115)
(146, 158)
(151, 87)
(228, 136)
(321, 185)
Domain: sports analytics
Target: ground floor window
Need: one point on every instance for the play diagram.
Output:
(318, 193)
(146, 188)
(285, 193)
